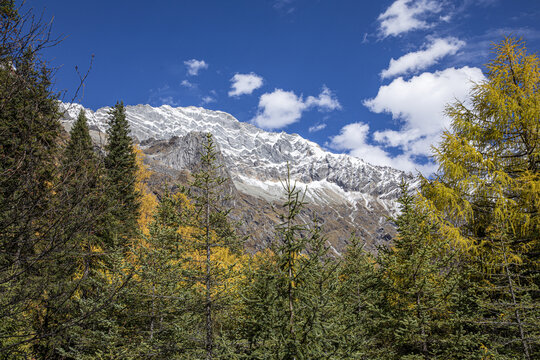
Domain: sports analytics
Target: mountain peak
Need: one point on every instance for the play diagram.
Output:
(352, 194)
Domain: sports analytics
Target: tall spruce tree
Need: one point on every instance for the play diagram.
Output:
(80, 149)
(485, 195)
(423, 310)
(289, 298)
(83, 176)
(163, 323)
(94, 265)
(42, 221)
(31, 227)
(106, 333)
(214, 238)
(121, 166)
(359, 299)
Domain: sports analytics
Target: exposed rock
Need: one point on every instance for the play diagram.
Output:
(346, 193)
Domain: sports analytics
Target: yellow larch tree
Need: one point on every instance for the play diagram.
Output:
(486, 194)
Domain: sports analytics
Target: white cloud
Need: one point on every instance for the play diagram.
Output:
(418, 60)
(316, 128)
(278, 109)
(418, 106)
(163, 95)
(284, 6)
(245, 84)
(354, 139)
(193, 66)
(406, 15)
(281, 108)
(187, 84)
(325, 101)
(208, 99)
(168, 100)
(419, 103)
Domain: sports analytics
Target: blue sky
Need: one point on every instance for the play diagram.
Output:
(369, 78)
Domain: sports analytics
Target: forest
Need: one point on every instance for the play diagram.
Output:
(94, 265)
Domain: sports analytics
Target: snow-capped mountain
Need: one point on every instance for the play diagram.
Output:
(256, 159)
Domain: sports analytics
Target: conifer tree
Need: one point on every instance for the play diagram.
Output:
(42, 223)
(289, 298)
(214, 239)
(162, 299)
(30, 225)
(485, 195)
(121, 167)
(92, 262)
(422, 288)
(80, 148)
(359, 299)
(103, 269)
(83, 176)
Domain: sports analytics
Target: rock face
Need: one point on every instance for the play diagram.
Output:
(345, 193)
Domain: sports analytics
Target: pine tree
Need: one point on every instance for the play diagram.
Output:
(121, 167)
(47, 213)
(485, 196)
(83, 176)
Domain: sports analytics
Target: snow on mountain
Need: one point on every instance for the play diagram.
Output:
(257, 159)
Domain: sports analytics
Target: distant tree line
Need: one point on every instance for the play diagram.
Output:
(95, 266)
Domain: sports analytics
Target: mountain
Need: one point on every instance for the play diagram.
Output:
(346, 193)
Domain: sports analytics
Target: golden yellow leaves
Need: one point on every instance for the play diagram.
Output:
(148, 200)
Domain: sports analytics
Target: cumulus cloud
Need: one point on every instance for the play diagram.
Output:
(325, 101)
(418, 107)
(418, 103)
(281, 108)
(406, 15)
(245, 84)
(354, 139)
(418, 60)
(194, 66)
(278, 109)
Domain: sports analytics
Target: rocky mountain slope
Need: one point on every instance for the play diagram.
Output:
(346, 193)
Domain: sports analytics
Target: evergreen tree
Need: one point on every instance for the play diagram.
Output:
(424, 315)
(162, 301)
(79, 149)
(359, 299)
(30, 225)
(289, 299)
(214, 240)
(485, 195)
(92, 263)
(50, 206)
(121, 167)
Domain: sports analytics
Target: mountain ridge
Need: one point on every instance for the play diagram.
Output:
(256, 160)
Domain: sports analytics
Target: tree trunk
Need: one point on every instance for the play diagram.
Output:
(422, 328)
(516, 309)
(209, 325)
(153, 311)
